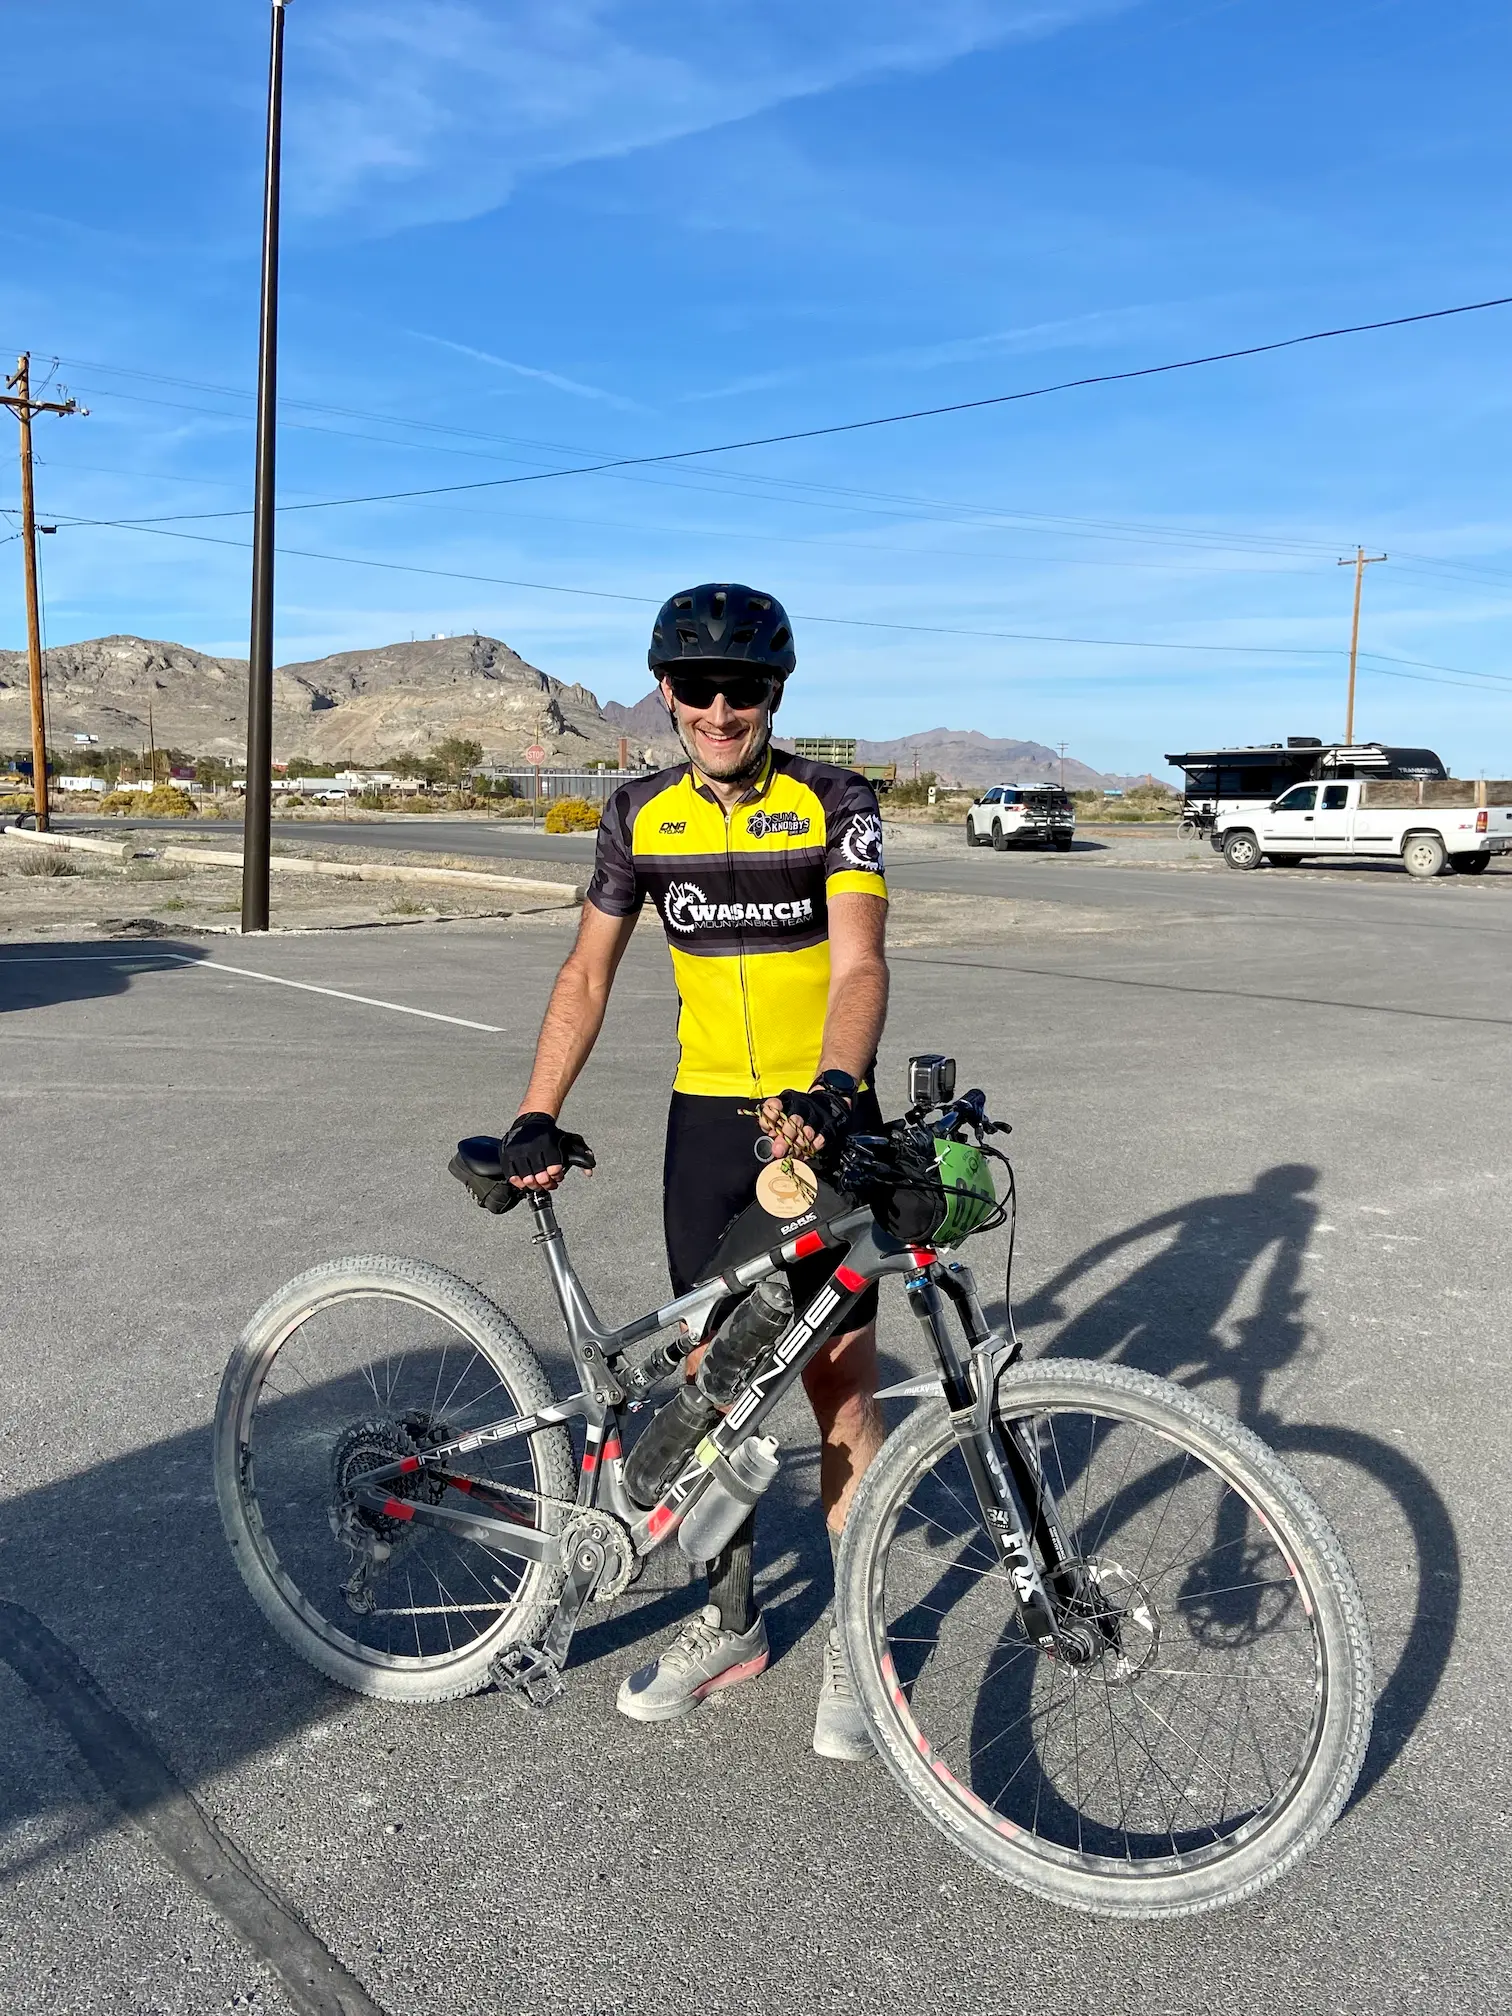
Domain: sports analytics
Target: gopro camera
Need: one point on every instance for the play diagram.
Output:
(931, 1079)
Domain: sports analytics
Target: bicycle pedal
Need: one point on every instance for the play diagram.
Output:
(528, 1674)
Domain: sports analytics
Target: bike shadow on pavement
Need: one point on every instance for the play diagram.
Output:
(1221, 1303)
(43, 975)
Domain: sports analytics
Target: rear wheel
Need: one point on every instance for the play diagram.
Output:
(1469, 864)
(1284, 860)
(999, 838)
(1214, 1735)
(354, 1366)
(1423, 855)
(1063, 842)
(1241, 849)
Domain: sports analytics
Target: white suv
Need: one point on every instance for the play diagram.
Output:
(1021, 815)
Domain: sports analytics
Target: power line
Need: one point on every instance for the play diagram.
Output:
(818, 494)
(847, 622)
(856, 426)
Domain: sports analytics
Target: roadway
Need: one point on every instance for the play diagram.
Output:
(1261, 1141)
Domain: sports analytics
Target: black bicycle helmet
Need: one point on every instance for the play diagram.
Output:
(723, 619)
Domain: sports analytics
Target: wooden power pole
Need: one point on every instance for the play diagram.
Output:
(18, 397)
(1360, 562)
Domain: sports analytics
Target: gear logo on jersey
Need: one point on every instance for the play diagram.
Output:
(861, 843)
(683, 903)
(761, 823)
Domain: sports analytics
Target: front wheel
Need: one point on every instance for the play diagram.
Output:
(1213, 1736)
(1242, 850)
(354, 1366)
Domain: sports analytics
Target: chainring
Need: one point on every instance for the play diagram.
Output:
(603, 1530)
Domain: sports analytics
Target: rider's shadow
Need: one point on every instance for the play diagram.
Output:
(1223, 1300)
(1182, 1312)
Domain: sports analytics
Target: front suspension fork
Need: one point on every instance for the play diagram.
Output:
(1018, 1511)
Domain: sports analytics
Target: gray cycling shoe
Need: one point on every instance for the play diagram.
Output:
(701, 1659)
(840, 1730)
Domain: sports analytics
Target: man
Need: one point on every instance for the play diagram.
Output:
(767, 873)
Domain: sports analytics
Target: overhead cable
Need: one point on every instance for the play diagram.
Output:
(855, 426)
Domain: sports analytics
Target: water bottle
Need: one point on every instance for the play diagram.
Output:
(744, 1339)
(666, 1442)
(735, 1483)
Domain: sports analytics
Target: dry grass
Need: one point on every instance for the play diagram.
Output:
(46, 861)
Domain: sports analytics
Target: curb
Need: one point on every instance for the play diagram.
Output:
(119, 849)
(565, 893)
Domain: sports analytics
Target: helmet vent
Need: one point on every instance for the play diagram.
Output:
(781, 638)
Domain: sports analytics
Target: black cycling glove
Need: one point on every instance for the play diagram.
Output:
(535, 1143)
(825, 1111)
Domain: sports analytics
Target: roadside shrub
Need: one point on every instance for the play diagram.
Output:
(19, 802)
(572, 815)
(47, 861)
(163, 801)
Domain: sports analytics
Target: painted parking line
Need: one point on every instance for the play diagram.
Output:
(145, 962)
(335, 993)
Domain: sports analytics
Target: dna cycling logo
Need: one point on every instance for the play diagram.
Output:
(761, 823)
(687, 909)
(861, 843)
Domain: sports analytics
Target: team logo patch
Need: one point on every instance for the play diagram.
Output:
(687, 909)
(673, 826)
(761, 823)
(861, 843)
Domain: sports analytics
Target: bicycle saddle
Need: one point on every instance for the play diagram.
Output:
(479, 1155)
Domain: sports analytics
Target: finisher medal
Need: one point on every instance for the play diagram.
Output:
(787, 1189)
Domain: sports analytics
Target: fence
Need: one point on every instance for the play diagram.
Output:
(595, 785)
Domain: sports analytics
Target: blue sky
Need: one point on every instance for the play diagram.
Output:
(523, 232)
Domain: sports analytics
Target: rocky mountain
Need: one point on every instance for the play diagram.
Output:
(357, 706)
(362, 706)
(963, 756)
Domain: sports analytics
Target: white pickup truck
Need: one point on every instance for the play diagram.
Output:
(1021, 815)
(1373, 817)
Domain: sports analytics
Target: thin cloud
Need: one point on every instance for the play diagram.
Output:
(552, 378)
(420, 111)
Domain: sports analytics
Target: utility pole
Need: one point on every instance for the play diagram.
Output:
(1360, 562)
(257, 834)
(1062, 748)
(18, 398)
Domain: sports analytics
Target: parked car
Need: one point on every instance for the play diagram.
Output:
(1370, 817)
(1021, 815)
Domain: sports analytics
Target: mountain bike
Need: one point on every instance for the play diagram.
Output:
(1107, 1644)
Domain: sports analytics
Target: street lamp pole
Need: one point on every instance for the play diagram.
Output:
(258, 818)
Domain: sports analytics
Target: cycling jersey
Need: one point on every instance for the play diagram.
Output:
(743, 897)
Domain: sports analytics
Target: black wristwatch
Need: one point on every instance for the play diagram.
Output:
(840, 1083)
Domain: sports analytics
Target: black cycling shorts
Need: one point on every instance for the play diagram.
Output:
(709, 1178)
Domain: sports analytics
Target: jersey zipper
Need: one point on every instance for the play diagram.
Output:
(740, 957)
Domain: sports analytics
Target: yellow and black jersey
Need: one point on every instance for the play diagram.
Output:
(743, 897)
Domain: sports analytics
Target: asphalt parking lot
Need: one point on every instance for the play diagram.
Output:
(1261, 1142)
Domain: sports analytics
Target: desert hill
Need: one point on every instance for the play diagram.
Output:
(397, 699)
(356, 706)
(963, 756)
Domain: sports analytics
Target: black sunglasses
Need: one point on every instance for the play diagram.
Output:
(743, 690)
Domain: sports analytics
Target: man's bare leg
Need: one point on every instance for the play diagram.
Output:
(841, 1383)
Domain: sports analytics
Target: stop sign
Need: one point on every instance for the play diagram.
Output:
(535, 753)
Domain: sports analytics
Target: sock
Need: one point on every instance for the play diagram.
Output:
(834, 1539)
(730, 1580)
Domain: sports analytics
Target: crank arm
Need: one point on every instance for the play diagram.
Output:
(525, 1543)
(533, 1673)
